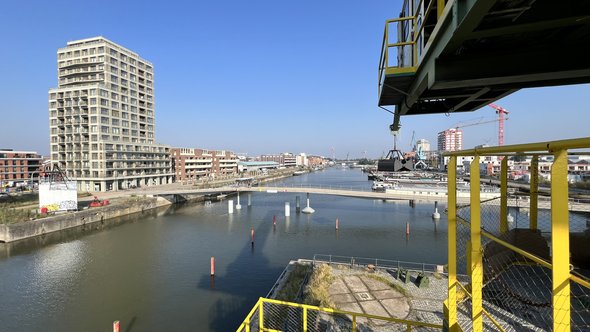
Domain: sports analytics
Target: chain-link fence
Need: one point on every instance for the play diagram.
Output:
(517, 289)
(293, 317)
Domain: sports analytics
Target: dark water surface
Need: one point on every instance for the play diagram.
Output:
(151, 272)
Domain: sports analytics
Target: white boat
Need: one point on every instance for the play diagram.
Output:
(382, 186)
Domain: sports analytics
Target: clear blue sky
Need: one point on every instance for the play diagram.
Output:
(251, 76)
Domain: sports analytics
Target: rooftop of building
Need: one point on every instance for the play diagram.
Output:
(101, 40)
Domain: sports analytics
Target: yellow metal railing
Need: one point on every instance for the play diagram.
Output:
(277, 317)
(410, 34)
(560, 275)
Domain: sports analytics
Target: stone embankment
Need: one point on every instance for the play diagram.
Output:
(58, 222)
(125, 206)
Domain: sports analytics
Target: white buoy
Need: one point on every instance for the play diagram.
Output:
(308, 208)
(436, 215)
(238, 206)
(287, 209)
(230, 206)
(510, 218)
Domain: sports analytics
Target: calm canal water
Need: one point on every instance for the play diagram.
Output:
(152, 272)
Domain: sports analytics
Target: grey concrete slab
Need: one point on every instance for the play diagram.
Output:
(374, 284)
(387, 294)
(354, 307)
(374, 308)
(364, 296)
(397, 307)
(343, 298)
(355, 284)
(338, 287)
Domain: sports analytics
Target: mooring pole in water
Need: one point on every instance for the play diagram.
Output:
(212, 265)
(274, 220)
(287, 209)
(337, 223)
(249, 199)
(407, 228)
(116, 326)
(252, 235)
(230, 206)
(297, 204)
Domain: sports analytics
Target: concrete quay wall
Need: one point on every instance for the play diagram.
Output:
(32, 228)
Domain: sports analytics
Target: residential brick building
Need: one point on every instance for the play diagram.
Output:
(19, 166)
(191, 164)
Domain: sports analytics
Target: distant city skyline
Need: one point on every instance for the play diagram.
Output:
(257, 77)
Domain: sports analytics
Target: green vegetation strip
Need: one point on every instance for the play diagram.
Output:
(10, 215)
(290, 288)
(316, 291)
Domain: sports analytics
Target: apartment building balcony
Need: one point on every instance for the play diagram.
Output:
(191, 167)
(193, 161)
(77, 63)
(77, 71)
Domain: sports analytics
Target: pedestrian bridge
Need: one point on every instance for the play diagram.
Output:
(413, 194)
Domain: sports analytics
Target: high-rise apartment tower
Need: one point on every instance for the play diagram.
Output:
(450, 140)
(102, 118)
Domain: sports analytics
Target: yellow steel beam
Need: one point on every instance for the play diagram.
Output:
(440, 7)
(261, 315)
(476, 252)
(400, 70)
(452, 244)
(560, 242)
(304, 319)
(494, 321)
(583, 282)
(552, 146)
(534, 191)
(504, 196)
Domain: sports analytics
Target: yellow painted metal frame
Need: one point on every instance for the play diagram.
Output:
(418, 25)
(259, 307)
(560, 239)
(560, 261)
(476, 251)
(452, 245)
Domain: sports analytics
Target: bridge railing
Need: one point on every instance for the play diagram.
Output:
(526, 269)
(317, 186)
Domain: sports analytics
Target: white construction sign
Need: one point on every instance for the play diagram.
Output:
(58, 196)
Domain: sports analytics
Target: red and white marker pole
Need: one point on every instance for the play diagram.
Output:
(252, 235)
(337, 223)
(212, 265)
(116, 326)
